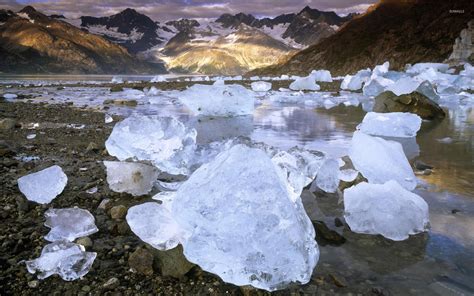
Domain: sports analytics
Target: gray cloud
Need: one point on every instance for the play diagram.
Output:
(167, 9)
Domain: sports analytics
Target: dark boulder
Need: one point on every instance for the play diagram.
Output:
(414, 102)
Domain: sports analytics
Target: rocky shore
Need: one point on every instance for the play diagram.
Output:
(74, 139)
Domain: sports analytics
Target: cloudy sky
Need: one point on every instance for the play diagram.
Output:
(173, 9)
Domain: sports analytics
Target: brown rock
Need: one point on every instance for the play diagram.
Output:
(414, 102)
(142, 261)
(118, 212)
(7, 123)
(173, 263)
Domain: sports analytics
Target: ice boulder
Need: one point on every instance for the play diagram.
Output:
(43, 186)
(321, 75)
(421, 67)
(164, 141)
(328, 176)
(376, 86)
(261, 86)
(394, 124)
(381, 160)
(68, 260)
(380, 70)
(69, 224)
(131, 177)
(242, 223)
(357, 81)
(387, 209)
(218, 100)
(305, 83)
(154, 224)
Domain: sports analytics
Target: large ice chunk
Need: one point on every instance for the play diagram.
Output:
(261, 86)
(381, 160)
(328, 176)
(387, 209)
(131, 177)
(69, 224)
(66, 259)
(356, 82)
(421, 67)
(43, 186)
(164, 141)
(218, 100)
(154, 224)
(404, 86)
(321, 75)
(394, 124)
(376, 86)
(242, 223)
(305, 83)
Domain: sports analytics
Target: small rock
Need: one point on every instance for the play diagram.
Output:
(92, 147)
(338, 281)
(85, 241)
(325, 236)
(172, 262)
(111, 284)
(455, 211)
(33, 284)
(419, 165)
(338, 222)
(86, 288)
(118, 212)
(116, 88)
(7, 123)
(142, 261)
(103, 204)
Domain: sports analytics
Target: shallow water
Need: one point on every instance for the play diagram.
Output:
(441, 261)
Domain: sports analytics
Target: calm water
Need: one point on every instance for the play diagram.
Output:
(439, 262)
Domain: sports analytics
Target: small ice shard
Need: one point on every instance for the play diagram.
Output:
(387, 209)
(31, 136)
(66, 259)
(321, 75)
(153, 91)
(328, 176)
(261, 86)
(154, 224)
(117, 79)
(10, 96)
(69, 224)
(381, 160)
(43, 186)
(131, 177)
(92, 190)
(348, 175)
(218, 100)
(393, 124)
(108, 118)
(446, 140)
(164, 141)
(158, 78)
(305, 83)
(242, 224)
(356, 82)
(168, 186)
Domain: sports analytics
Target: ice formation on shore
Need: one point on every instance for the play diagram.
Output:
(164, 141)
(43, 186)
(305, 83)
(261, 86)
(131, 177)
(68, 260)
(69, 224)
(321, 75)
(381, 160)
(387, 209)
(394, 124)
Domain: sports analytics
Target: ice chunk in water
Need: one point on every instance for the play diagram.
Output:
(421, 67)
(131, 177)
(218, 100)
(154, 224)
(117, 79)
(261, 86)
(164, 141)
(387, 209)
(380, 70)
(355, 82)
(381, 160)
(69, 224)
(394, 124)
(328, 176)
(321, 75)
(305, 83)
(376, 86)
(10, 96)
(243, 225)
(404, 86)
(66, 259)
(43, 186)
